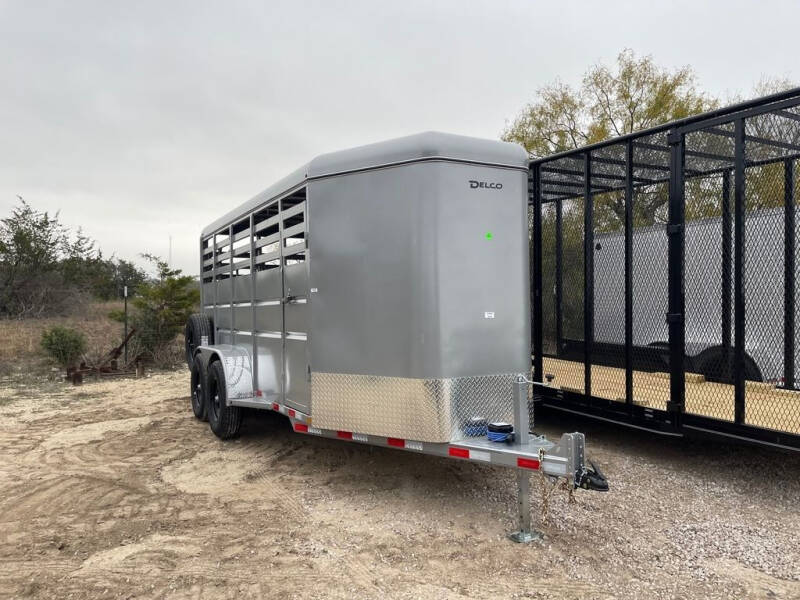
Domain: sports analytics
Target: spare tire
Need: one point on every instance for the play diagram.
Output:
(197, 327)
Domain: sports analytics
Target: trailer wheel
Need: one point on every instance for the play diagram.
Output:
(197, 390)
(224, 420)
(197, 326)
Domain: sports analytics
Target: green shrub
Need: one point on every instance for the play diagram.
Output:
(160, 310)
(64, 345)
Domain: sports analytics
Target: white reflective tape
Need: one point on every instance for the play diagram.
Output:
(480, 455)
(360, 437)
(414, 445)
(315, 431)
(555, 466)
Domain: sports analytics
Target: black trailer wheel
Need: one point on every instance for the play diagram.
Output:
(197, 326)
(198, 390)
(224, 420)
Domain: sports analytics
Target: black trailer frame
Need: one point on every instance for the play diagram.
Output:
(732, 165)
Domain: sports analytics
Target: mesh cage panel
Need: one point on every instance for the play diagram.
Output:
(549, 347)
(568, 368)
(562, 183)
(608, 361)
(772, 141)
(734, 299)
(650, 356)
(708, 265)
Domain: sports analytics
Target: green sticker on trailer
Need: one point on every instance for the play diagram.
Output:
(489, 235)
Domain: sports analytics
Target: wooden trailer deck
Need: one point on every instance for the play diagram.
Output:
(766, 405)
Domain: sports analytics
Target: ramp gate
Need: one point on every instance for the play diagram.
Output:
(664, 275)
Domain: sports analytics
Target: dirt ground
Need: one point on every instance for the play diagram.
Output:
(114, 490)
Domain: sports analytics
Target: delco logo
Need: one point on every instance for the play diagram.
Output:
(485, 184)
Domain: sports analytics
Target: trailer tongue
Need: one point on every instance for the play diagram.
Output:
(380, 295)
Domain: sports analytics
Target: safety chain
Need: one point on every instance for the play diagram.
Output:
(549, 489)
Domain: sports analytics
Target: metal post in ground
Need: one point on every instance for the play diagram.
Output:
(521, 438)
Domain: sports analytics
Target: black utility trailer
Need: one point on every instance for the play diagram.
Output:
(664, 275)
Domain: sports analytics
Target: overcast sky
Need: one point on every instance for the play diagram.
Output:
(141, 120)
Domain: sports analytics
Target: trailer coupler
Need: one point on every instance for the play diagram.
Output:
(591, 478)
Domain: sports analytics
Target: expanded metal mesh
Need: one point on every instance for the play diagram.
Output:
(739, 225)
(608, 171)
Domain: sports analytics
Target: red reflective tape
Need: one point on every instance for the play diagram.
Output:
(276, 406)
(301, 427)
(345, 435)
(458, 452)
(291, 412)
(528, 463)
(396, 442)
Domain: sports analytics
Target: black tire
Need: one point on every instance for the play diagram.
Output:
(197, 389)
(197, 326)
(224, 420)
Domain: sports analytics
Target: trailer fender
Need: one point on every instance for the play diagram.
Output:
(237, 363)
(713, 364)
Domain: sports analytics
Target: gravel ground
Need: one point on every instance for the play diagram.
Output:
(113, 490)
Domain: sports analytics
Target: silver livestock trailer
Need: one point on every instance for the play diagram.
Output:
(380, 295)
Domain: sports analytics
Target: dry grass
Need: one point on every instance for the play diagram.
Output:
(20, 347)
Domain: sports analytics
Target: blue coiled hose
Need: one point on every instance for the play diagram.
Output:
(496, 436)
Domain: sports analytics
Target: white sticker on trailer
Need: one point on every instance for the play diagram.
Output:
(480, 455)
(488, 315)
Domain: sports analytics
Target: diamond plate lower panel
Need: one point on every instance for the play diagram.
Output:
(429, 410)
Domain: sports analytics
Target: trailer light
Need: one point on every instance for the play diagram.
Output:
(458, 452)
(276, 406)
(396, 442)
(528, 463)
(301, 428)
(258, 393)
(344, 435)
(291, 413)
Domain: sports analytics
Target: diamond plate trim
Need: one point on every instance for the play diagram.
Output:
(428, 410)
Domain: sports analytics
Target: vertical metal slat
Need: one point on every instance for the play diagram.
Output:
(559, 308)
(676, 311)
(738, 267)
(588, 276)
(629, 274)
(789, 276)
(727, 280)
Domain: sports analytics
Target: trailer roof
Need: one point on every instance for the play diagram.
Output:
(429, 145)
